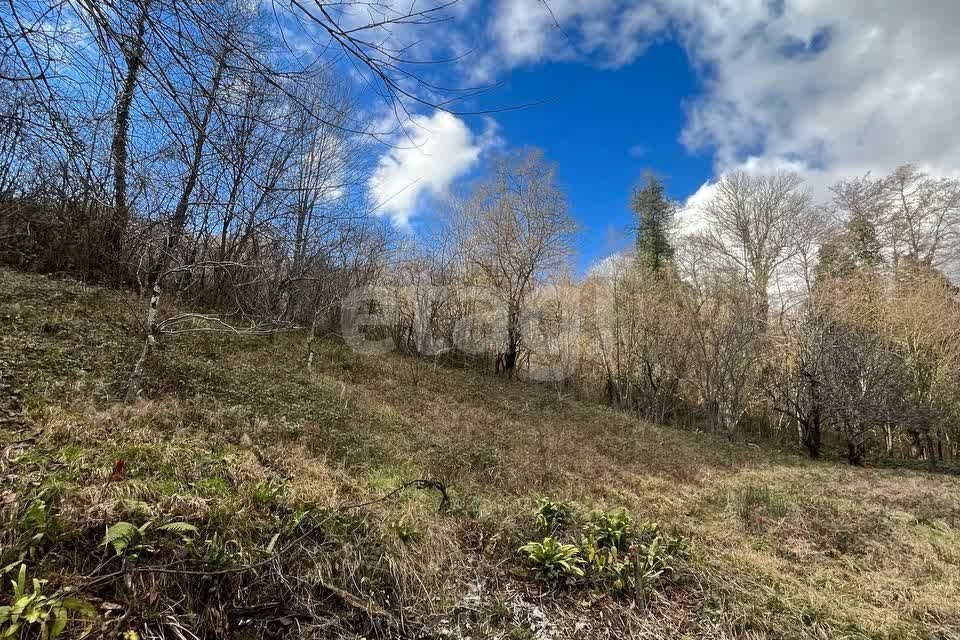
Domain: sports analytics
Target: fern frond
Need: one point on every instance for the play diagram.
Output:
(121, 535)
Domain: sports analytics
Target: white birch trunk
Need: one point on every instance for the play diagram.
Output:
(135, 383)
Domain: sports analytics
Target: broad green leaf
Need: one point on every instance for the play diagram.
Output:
(80, 605)
(59, 622)
(21, 605)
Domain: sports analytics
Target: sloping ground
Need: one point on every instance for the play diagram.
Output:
(268, 460)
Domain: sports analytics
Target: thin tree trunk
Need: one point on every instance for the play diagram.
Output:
(134, 58)
(929, 451)
(179, 220)
(513, 340)
(311, 337)
(916, 447)
(135, 382)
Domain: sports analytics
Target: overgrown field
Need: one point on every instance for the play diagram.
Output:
(260, 464)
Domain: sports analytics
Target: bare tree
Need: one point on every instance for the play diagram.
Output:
(922, 216)
(727, 352)
(515, 228)
(862, 374)
(635, 321)
(132, 47)
(793, 379)
(923, 320)
(557, 324)
(608, 306)
(756, 224)
(208, 95)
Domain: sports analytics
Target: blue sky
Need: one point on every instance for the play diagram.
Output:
(604, 128)
(686, 88)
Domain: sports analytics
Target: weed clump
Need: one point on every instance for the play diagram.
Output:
(552, 560)
(609, 530)
(32, 609)
(612, 553)
(550, 516)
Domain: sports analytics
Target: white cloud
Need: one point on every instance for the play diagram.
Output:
(830, 88)
(825, 87)
(690, 217)
(610, 32)
(434, 151)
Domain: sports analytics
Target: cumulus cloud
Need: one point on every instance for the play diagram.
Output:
(826, 88)
(690, 216)
(434, 151)
(609, 32)
(823, 87)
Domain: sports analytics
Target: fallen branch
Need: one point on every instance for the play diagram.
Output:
(212, 323)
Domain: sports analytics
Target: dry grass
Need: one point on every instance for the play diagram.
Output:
(245, 443)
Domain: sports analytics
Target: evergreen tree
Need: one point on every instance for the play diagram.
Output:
(654, 215)
(863, 240)
(856, 248)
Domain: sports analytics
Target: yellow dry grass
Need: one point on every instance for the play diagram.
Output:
(239, 436)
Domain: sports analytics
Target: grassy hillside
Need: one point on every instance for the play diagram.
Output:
(269, 462)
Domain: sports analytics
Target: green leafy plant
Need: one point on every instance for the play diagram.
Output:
(599, 559)
(631, 558)
(674, 544)
(127, 539)
(31, 609)
(130, 541)
(640, 570)
(551, 516)
(609, 529)
(179, 528)
(184, 530)
(215, 552)
(553, 560)
(651, 562)
(38, 524)
(35, 517)
(264, 493)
